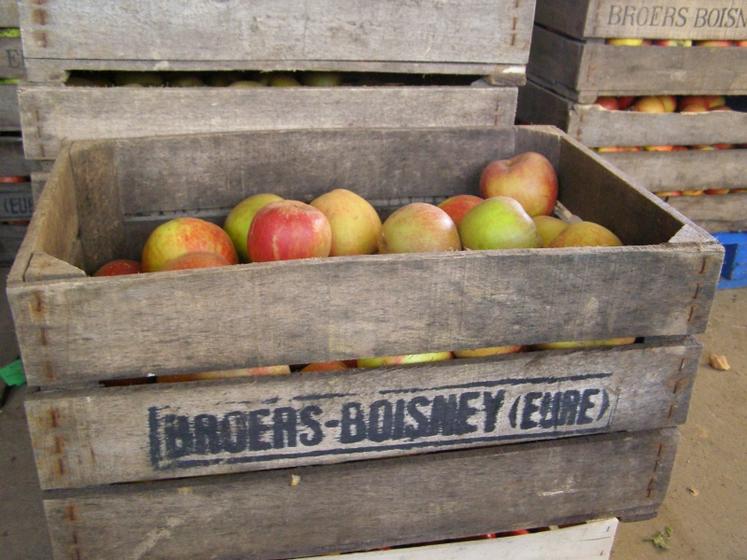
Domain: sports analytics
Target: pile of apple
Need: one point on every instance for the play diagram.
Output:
(518, 196)
(674, 43)
(665, 103)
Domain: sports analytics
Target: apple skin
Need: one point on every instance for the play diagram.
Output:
(14, 179)
(226, 374)
(713, 43)
(701, 103)
(655, 104)
(659, 148)
(489, 351)
(419, 227)
(287, 230)
(741, 43)
(187, 81)
(239, 220)
(355, 224)
(325, 366)
(617, 42)
(185, 235)
(529, 178)
(321, 79)
(717, 191)
(246, 84)
(617, 149)
(283, 80)
(609, 103)
(458, 206)
(586, 234)
(499, 222)
(548, 228)
(196, 260)
(625, 101)
(405, 359)
(223, 79)
(673, 43)
(585, 343)
(118, 267)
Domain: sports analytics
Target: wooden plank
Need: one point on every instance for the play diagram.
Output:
(647, 19)
(52, 113)
(423, 31)
(595, 126)
(12, 162)
(16, 202)
(146, 432)
(715, 213)
(8, 13)
(38, 180)
(10, 240)
(588, 541)
(9, 116)
(11, 58)
(366, 505)
(693, 169)
(8, 345)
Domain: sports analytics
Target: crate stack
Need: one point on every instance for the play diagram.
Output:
(572, 65)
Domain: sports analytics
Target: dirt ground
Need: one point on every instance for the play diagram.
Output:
(706, 507)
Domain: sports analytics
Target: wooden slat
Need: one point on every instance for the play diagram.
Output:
(53, 113)
(366, 505)
(423, 31)
(16, 202)
(10, 240)
(8, 13)
(588, 541)
(595, 126)
(12, 161)
(648, 19)
(147, 432)
(714, 213)
(9, 117)
(8, 345)
(11, 58)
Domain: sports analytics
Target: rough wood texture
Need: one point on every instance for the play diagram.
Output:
(694, 169)
(12, 162)
(8, 345)
(51, 114)
(9, 117)
(366, 505)
(16, 202)
(11, 58)
(591, 69)
(38, 180)
(588, 541)
(147, 432)
(8, 13)
(422, 31)
(647, 19)
(714, 213)
(10, 240)
(594, 126)
(485, 298)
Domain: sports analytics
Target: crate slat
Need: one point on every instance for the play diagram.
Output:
(10, 119)
(11, 236)
(16, 202)
(714, 213)
(8, 13)
(11, 58)
(12, 162)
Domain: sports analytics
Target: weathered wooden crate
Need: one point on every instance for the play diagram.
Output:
(52, 113)
(12, 161)
(16, 201)
(8, 346)
(8, 13)
(583, 70)
(304, 432)
(11, 58)
(11, 236)
(424, 36)
(10, 119)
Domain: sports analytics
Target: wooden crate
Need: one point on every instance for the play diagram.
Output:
(583, 70)
(8, 13)
(12, 161)
(8, 346)
(52, 113)
(16, 201)
(423, 37)
(11, 58)
(11, 236)
(585, 541)
(9, 116)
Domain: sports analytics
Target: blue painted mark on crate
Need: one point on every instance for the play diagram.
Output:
(734, 271)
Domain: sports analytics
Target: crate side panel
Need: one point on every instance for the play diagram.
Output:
(9, 117)
(12, 162)
(714, 213)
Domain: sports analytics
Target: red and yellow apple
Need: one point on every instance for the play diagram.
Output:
(713, 43)
(655, 104)
(239, 220)
(627, 42)
(625, 101)
(568, 344)
(225, 374)
(419, 227)
(196, 260)
(288, 229)
(325, 366)
(355, 224)
(586, 234)
(609, 103)
(499, 222)
(404, 359)
(118, 267)
(617, 149)
(529, 178)
(322, 79)
(673, 43)
(458, 206)
(489, 351)
(548, 228)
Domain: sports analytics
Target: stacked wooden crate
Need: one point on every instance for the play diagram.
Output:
(305, 464)
(571, 66)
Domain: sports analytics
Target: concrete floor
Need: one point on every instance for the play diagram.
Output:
(706, 506)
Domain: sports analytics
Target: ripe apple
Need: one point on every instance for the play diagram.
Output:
(325, 366)
(585, 343)
(498, 223)
(609, 103)
(405, 359)
(655, 104)
(288, 229)
(617, 149)
(490, 351)
(586, 234)
(355, 224)
(712, 43)
(226, 374)
(118, 267)
(223, 79)
(741, 43)
(659, 148)
(625, 101)
(419, 227)
(627, 42)
(240, 218)
(667, 194)
(548, 228)
(458, 206)
(138, 79)
(673, 43)
(196, 260)
(322, 79)
(717, 191)
(186, 81)
(14, 179)
(185, 235)
(692, 192)
(246, 84)
(283, 80)
(529, 178)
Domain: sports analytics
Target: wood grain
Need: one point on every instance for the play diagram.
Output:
(11, 58)
(366, 505)
(10, 241)
(8, 13)
(9, 116)
(12, 161)
(16, 202)
(714, 213)
(8, 345)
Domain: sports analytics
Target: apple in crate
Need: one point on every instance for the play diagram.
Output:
(419, 227)
(225, 374)
(586, 234)
(498, 223)
(355, 223)
(404, 359)
(458, 206)
(180, 236)
(196, 260)
(529, 178)
(325, 366)
(240, 218)
(548, 228)
(118, 267)
(288, 229)
(489, 351)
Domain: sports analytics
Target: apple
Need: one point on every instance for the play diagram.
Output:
(742, 43)
(283, 80)
(655, 104)
(585, 343)
(286, 230)
(625, 101)
(717, 191)
(609, 103)
(355, 224)
(223, 79)
(701, 103)
(499, 222)
(724, 146)
(187, 81)
(659, 148)
(680, 148)
(246, 84)
(617, 149)
(185, 235)
(586, 234)
(196, 260)
(458, 206)
(667, 194)
(692, 192)
(325, 366)
(14, 179)
(138, 79)
(240, 218)
(490, 351)
(548, 228)
(529, 178)
(673, 43)
(322, 79)
(226, 374)
(617, 42)
(419, 227)
(712, 43)
(118, 267)
(406, 359)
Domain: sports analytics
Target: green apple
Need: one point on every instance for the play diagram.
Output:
(498, 223)
(405, 359)
(239, 220)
